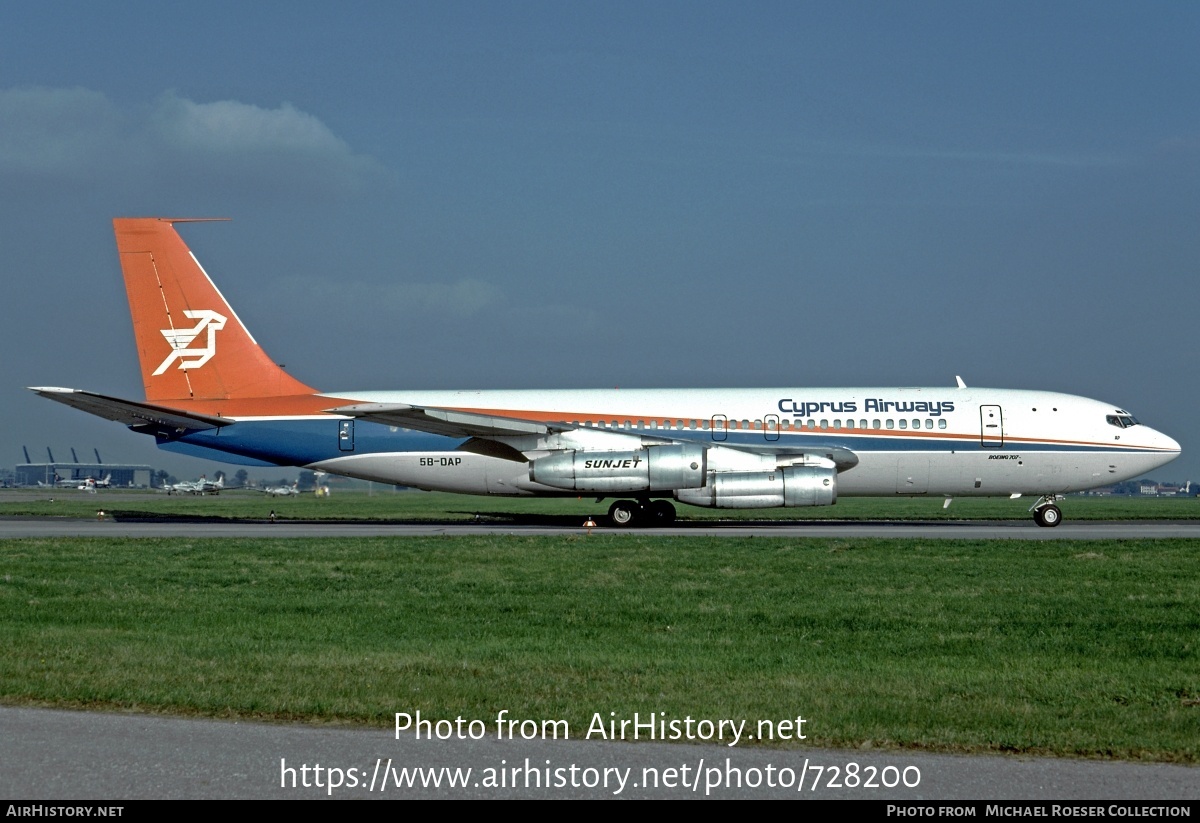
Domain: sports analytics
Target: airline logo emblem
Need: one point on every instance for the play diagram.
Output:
(181, 341)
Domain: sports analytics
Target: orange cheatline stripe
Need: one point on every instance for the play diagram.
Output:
(558, 417)
(307, 404)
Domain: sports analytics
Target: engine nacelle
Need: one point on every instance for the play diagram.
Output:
(653, 468)
(791, 487)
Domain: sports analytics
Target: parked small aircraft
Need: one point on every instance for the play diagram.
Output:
(279, 491)
(201, 486)
(91, 484)
(85, 484)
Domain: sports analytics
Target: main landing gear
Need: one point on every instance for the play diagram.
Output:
(629, 513)
(1045, 513)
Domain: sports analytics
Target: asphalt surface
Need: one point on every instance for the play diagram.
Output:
(66, 755)
(13, 527)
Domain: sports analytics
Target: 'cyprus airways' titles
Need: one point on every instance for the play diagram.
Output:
(805, 408)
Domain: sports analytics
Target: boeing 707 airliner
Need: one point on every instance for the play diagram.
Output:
(211, 391)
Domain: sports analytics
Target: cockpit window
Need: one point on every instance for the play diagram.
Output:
(1121, 421)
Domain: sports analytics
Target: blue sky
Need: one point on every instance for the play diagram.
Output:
(526, 195)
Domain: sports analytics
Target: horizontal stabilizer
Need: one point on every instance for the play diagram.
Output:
(445, 421)
(130, 412)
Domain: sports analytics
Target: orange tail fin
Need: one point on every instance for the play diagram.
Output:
(191, 344)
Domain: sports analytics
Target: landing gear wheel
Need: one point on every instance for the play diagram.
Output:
(660, 513)
(1048, 516)
(624, 513)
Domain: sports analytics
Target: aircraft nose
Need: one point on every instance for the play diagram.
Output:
(1167, 444)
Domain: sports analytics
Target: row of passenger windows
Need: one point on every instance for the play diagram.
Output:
(785, 425)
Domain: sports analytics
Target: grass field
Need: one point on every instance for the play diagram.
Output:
(386, 504)
(1081, 649)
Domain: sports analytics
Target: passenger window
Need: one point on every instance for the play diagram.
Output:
(891, 424)
(824, 424)
(916, 423)
(874, 424)
(837, 424)
(903, 423)
(929, 422)
(941, 424)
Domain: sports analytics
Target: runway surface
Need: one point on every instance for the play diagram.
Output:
(12, 527)
(67, 755)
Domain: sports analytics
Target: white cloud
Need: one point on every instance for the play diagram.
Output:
(232, 126)
(79, 134)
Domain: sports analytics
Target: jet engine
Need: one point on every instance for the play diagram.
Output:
(646, 469)
(790, 487)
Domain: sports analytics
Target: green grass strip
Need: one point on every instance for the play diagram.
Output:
(1066, 648)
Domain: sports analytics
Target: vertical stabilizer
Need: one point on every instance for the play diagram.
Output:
(191, 344)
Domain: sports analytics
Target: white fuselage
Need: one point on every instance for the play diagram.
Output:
(906, 441)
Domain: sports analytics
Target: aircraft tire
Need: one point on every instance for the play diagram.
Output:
(660, 513)
(624, 514)
(1048, 516)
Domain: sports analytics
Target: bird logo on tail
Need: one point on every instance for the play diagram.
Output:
(181, 340)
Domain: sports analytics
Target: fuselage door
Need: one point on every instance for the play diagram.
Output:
(771, 427)
(346, 435)
(720, 427)
(991, 433)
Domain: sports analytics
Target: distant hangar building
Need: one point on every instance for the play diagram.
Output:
(73, 473)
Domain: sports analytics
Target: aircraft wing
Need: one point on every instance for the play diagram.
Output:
(131, 412)
(473, 424)
(841, 456)
(446, 421)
